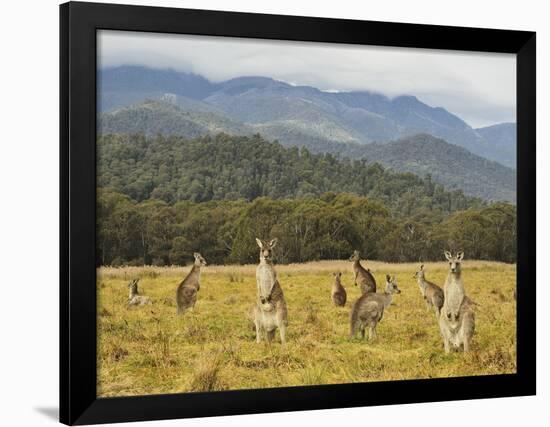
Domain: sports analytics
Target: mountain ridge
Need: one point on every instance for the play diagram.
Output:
(362, 116)
(423, 154)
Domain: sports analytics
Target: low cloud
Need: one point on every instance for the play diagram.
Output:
(478, 87)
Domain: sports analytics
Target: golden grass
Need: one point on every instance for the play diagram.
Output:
(149, 350)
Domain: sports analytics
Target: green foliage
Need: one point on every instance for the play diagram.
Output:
(308, 228)
(227, 167)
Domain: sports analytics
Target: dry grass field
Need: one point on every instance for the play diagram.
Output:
(149, 350)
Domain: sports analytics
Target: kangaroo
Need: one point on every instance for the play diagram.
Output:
(134, 298)
(270, 311)
(433, 294)
(363, 277)
(457, 318)
(186, 294)
(368, 310)
(339, 295)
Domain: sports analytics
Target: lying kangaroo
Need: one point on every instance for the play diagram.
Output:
(369, 309)
(186, 294)
(363, 277)
(433, 294)
(134, 298)
(270, 310)
(339, 295)
(457, 319)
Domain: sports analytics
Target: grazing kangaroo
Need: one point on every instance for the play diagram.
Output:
(363, 277)
(369, 309)
(134, 298)
(186, 294)
(270, 310)
(339, 295)
(457, 319)
(433, 294)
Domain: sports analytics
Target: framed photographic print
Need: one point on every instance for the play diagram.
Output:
(267, 213)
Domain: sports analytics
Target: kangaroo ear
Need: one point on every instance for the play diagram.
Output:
(196, 255)
(259, 242)
(448, 255)
(422, 267)
(388, 278)
(273, 242)
(460, 255)
(339, 274)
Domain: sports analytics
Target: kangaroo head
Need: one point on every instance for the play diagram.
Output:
(391, 285)
(266, 248)
(454, 261)
(420, 273)
(199, 260)
(355, 256)
(337, 275)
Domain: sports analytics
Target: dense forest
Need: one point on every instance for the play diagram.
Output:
(449, 165)
(224, 167)
(308, 228)
(162, 198)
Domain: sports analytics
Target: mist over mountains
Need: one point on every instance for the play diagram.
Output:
(402, 133)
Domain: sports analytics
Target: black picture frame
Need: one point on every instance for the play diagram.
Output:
(78, 25)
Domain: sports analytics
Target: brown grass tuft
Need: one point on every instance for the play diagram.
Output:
(206, 375)
(118, 353)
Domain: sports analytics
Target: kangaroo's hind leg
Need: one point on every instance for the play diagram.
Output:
(427, 304)
(373, 333)
(270, 335)
(282, 331)
(446, 345)
(468, 327)
(258, 330)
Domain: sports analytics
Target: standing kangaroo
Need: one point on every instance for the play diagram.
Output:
(270, 310)
(368, 310)
(186, 294)
(433, 294)
(363, 277)
(457, 318)
(338, 294)
(134, 298)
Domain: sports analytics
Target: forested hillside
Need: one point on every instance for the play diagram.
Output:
(448, 164)
(503, 136)
(224, 167)
(210, 166)
(308, 228)
(160, 117)
(284, 109)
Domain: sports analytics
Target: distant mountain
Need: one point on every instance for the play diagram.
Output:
(501, 137)
(448, 164)
(283, 109)
(157, 117)
(122, 86)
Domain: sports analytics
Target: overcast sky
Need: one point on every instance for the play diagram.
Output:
(478, 87)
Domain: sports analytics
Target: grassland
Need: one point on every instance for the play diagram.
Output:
(149, 350)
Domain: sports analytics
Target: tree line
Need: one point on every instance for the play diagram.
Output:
(328, 226)
(224, 167)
